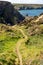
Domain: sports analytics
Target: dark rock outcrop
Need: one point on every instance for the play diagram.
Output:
(8, 14)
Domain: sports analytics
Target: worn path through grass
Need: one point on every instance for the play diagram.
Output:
(20, 41)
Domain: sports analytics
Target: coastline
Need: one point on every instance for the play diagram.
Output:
(28, 6)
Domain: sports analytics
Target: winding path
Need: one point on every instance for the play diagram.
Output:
(20, 41)
(39, 18)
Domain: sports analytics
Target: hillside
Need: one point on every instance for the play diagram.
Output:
(22, 44)
(28, 6)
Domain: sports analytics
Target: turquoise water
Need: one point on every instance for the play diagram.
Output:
(33, 12)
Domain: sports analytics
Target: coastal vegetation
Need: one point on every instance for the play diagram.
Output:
(24, 39)
(22, 43)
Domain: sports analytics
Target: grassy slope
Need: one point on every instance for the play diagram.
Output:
(8, 40)
(31, 50)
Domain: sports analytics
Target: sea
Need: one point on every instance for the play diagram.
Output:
(31, 12)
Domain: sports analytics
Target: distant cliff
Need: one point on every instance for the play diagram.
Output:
(28, 6)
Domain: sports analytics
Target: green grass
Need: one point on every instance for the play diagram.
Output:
(31, 50)
(8, 40)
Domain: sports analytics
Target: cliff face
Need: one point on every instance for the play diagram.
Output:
(8, 14)
(18, 17)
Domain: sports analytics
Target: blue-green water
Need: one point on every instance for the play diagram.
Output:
(32, 12)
